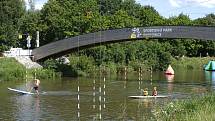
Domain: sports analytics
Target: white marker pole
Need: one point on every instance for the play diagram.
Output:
(38, 39)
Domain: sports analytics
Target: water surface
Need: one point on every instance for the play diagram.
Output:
(101, 98)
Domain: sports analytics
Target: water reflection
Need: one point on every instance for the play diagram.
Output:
(78, 99)
(27, 107)
(213, 78)
(98, 99)
(104, 106)
(144, 109)
(210, 76)
(102, 98)
(94, 93)
(170, 79)
(37, 104)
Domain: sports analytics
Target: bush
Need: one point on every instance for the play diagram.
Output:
(45, 74)
(191, 63)
(194, 109)
(10, 69)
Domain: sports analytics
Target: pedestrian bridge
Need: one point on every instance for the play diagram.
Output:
(68, 45)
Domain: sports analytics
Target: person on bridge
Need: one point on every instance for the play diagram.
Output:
(155, 92)
(36, 85)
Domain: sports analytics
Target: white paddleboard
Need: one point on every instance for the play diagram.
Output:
(20, 91)
(143, 97)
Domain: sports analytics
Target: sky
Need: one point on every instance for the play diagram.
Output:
(38, 3)
(193, 8)
(169, 8)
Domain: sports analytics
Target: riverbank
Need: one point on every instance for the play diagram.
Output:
(84, 66)
(194, 109)
(191, 62)
(10, 69)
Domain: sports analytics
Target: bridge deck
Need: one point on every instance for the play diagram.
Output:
(65, 46)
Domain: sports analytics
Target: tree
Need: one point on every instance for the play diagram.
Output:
(208, 20)
(29, 23)
(131, 7)
(192, 47)
(10, 12)
(109, 7)
(180, 20)
(66, 18)
(32, 5)
(121, 19)
(148, 16)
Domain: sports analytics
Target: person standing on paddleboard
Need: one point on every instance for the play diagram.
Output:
(36, 85)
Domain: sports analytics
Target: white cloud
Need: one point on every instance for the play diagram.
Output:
(202, 3)
(175, 3)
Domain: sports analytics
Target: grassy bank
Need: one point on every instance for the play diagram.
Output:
(190, 63)
(86, 66)
(10, 69)
(195, 109)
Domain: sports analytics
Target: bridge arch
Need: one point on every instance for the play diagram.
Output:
(66, 46)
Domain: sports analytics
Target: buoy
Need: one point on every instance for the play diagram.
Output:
(169, 71)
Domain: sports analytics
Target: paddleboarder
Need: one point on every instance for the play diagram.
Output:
(36, 85)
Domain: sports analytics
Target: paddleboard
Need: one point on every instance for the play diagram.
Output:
(143, 97)
(20, 91)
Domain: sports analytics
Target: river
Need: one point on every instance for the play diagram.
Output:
(101, 98)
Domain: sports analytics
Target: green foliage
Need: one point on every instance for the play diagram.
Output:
(121, 19)
(208, 20)
(195, 109)
(81, 65)
(149, 16)
(50, 64)
(131, 7)
(46, 74)
(136, 65)
(190, 63)
(69, 18)
(10, 69)
(61, 19)
(147, 53)
(10, 13)
(177, 48)
(112, 67)
(109, 7)
(180, 20)
(29, 23)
